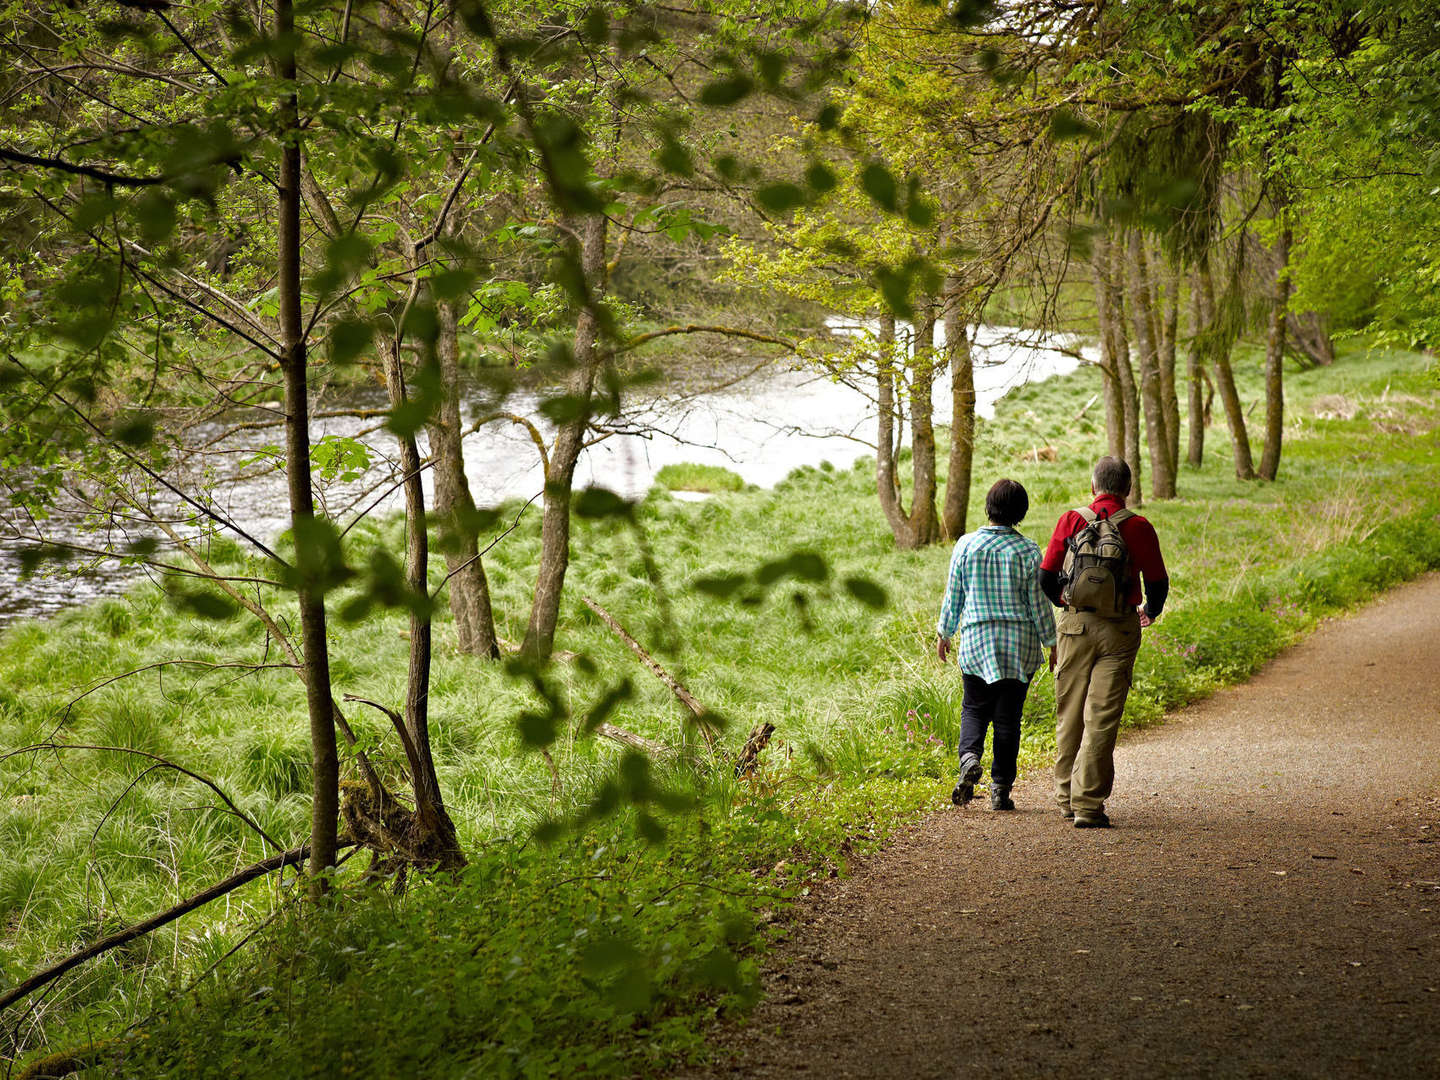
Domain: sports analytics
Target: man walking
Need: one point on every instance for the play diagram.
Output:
(1093, 569)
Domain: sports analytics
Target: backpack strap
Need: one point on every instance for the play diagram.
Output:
(1086, 513)
(1122, 515)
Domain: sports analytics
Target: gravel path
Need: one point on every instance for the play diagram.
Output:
(1268, 903)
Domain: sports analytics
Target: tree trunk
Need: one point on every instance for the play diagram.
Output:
(962, 417)
(887, 487)
(1125, 372)
(1311, 336)
(924, 521)
(1200, 337)
(1162, 479)
(469, 589)
(1224, 376)
(1109, 368)
(324, 762)
(1274, 365)
(1170, 398)
(569, 441)
(437, 830)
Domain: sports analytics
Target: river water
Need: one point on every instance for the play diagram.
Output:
(762, 428)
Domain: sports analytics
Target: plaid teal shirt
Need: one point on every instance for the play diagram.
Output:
(994, 598)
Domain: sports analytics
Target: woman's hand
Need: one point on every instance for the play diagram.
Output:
(1052, 659)
(942, 647)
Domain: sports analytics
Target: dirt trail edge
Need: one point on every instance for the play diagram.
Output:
(1268, 903)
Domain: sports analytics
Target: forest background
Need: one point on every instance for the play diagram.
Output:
(219, 216)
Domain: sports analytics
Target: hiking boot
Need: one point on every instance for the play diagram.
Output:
(969, 773)
(1067, 814)
(1092, 819)
(1000, 797)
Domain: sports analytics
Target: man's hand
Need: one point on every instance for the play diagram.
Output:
(1145, 619)
(942, 647)
(1052, 659)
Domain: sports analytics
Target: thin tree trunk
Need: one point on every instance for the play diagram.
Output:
(435, 823)
(1125, 373)
(924, 521)
(1274, 365)
(1310, 334)
(1109, 368)
(1225, 377)
(469, 588)
(324, 762)
(1162, 481)
(1168, 391)
(887, 489)
(569, 441)
(1200, 338)
(962, 416)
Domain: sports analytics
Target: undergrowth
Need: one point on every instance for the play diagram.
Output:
(604, 951)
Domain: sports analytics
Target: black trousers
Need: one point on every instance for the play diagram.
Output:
(998, 703)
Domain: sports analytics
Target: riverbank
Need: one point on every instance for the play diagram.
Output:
(599, 951)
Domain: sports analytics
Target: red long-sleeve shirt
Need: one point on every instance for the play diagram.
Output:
(1138, 534)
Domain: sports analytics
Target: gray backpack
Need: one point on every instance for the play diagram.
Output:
(1097, 565)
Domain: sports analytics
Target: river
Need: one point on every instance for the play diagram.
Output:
(762, 428)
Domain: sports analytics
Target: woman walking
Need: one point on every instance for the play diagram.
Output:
(1005, 623)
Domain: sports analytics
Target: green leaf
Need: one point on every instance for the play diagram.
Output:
(452, 284)
(607, 954)
(778, 198)
(820, 177)
(347, 338)
(155, 214)
(727, 90)
(674, 157)
(800, 565)
(1064, 124)
(137, 430)
(880, 185)
(828, 118)
(866, 591)
(596, 502)
(537, 729)
(920, 212)
(721, 585)
(563, 408)
(206, 605)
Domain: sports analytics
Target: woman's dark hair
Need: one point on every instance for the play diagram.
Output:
(1006, 503)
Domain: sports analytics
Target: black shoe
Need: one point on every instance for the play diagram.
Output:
(1093, 819)
(1000, 798)
(969, 773)
(1067, 813)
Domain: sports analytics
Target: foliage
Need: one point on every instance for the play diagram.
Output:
(856, 699)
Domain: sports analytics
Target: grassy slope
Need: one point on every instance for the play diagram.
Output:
(553, 975)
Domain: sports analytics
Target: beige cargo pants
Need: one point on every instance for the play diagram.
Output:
(1094, 665)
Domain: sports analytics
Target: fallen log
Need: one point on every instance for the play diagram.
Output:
(293, 857)
(637, 742)
(686, 698)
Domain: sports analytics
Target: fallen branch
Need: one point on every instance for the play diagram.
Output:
(293, 857)
(750, 752)
(686, 698)
(637, 742)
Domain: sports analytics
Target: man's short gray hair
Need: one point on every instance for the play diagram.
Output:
(1111, 477)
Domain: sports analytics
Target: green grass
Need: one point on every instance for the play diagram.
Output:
(687, 476)
(505, 962)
